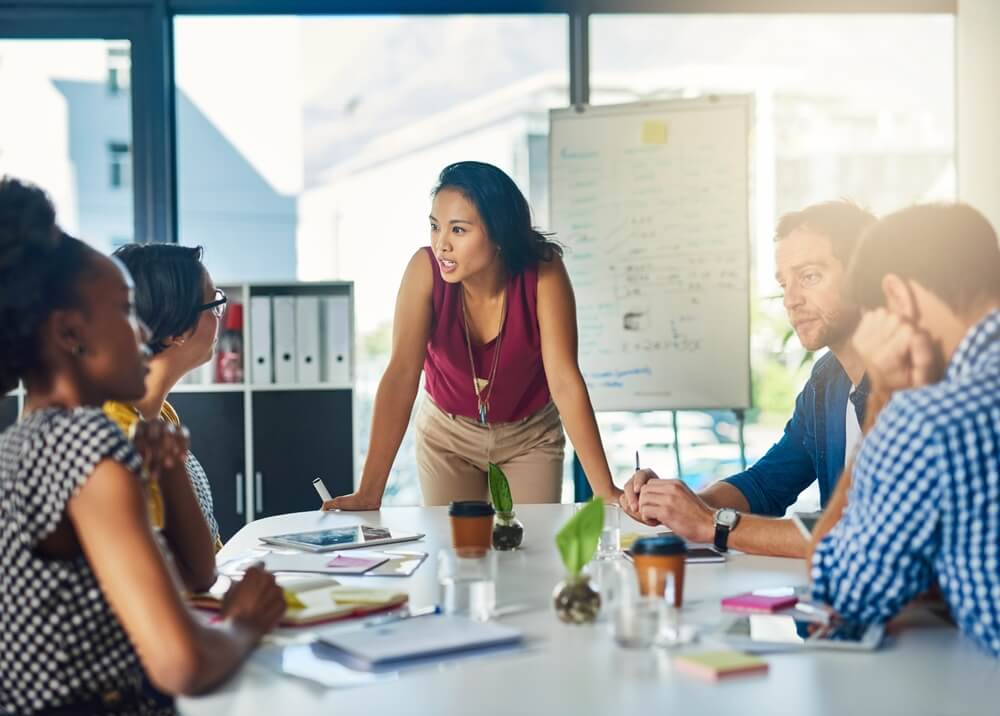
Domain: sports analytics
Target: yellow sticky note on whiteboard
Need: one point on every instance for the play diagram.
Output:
(654, 132)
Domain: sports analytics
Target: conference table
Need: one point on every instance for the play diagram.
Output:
(924, 667)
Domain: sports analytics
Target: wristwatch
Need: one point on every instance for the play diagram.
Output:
(726, 520)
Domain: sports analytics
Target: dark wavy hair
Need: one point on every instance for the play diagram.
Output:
(169, 285)
(504, 211)
(40, 271)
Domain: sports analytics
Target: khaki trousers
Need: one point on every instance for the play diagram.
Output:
(453, 451)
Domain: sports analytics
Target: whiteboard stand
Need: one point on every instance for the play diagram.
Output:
(741, 417)
(677, 446)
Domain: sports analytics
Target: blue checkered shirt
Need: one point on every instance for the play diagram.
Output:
(925, 501)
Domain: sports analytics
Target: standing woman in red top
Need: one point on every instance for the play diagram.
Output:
(487, 312)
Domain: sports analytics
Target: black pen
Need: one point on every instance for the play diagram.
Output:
(637, 461)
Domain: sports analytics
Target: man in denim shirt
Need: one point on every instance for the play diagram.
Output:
(812, 249)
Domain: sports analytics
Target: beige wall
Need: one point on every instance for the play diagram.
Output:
(978, 100)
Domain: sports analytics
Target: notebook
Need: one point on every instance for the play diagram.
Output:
(311, 604)
(715, 665)
(408, 641)
(750, 602)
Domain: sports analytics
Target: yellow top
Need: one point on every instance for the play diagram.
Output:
(126, 416)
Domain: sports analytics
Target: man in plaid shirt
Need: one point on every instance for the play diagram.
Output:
(924, 501)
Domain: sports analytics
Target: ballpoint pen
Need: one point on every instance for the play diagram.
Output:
(401, 615)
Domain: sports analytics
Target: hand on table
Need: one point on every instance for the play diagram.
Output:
(629, 499)
(673, 504)
(255, 602)
(613, 497)
(897, 355)
(356, 502)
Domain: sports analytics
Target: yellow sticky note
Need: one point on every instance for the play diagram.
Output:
(654, 132)
(292, 601)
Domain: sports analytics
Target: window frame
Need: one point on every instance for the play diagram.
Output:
(148, 26)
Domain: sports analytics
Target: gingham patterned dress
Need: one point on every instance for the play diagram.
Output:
(60, 643)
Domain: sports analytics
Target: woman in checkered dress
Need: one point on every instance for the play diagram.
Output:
(91, 617)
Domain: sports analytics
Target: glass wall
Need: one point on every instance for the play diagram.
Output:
(855, 106)
(308, 147)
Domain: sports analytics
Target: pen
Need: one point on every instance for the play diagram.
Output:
(324, 494)
(399, 616)
(637, 461)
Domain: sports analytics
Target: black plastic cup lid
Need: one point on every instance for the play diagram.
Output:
(661, 545)
(470, 508)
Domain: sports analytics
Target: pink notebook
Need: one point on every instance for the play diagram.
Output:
(750, 602)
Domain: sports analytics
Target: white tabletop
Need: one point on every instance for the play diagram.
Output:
(925, 668)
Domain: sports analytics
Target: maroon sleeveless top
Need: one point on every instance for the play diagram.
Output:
(521, 388)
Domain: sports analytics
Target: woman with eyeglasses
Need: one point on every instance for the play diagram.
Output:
(176, 298)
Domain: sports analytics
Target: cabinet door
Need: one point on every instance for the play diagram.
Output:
(8, 411)
(216, 423)
(300, 435)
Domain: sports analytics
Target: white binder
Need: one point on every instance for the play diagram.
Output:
(337, 340)
(284, 339)
(261, 357)
(307, 343)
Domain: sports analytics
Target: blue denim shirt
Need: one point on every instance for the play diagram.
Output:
(812, 447)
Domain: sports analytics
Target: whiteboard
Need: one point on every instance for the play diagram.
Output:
(651, 201)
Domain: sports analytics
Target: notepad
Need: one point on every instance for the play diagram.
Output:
(324, 603)
(418, 639)
(355, 563)
(715, 665)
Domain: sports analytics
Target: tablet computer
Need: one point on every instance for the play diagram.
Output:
(335, 538)
(806, 522)
(780, 632)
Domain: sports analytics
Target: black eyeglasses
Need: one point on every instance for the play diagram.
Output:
(218, 306)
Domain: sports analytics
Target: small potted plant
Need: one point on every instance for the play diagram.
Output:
(576, 601)
(507, 529)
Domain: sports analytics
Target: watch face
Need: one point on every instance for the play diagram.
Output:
(727, 517)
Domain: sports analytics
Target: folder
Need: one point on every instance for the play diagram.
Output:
(283, 308)
(337, 367)
(307, 343)
(415, 640)
(261, 368)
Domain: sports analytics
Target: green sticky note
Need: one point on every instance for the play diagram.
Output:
(718, 664)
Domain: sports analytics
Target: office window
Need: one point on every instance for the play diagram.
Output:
(308, 147)
(61, 129)
(857, 106)
(119, 67)
(120, 165)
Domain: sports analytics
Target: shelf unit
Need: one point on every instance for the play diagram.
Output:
(263, 443)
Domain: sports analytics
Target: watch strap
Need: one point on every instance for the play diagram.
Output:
(721, 537)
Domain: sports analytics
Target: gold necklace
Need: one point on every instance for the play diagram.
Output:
(484, 402)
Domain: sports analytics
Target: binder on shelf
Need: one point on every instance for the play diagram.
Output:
(337, 340)
(283, 312)
(261, 355)
(307, 343)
